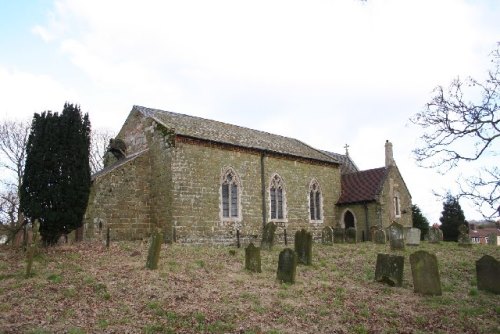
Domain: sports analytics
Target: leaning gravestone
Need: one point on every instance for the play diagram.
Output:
(488, 274)
(396, 236)
(389, 269)
(425, 273)
(493, 239)
(413, 236)
(252, 258)
(434, 235)
(338, 235)
(379, 236)
(303, 247)
(350, 235)
(287, 265)
(463, 236)
(268, 236)
(327, 236)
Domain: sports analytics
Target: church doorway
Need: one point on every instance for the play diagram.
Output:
(348, 219)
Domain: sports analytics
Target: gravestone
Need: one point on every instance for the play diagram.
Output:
(396, 236)
(413, 236)
(389, 269)
(327, 236)
(252, 258)
(488, 274)
(425, 273)
(463, 236)
(435, 234)
(493, 239)
(350, 235)
(287, 265)
(379, 236)
(268, 236)
(303, 247)
(338, 235)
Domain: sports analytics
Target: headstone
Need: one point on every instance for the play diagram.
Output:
(425, 273)
(396, 236)
(303, 247)
(338, 235)
(379, 236)
(488, 274)
(493, 239)
(327, 236)
(435, 235)
(252, 258)
(350, 235)
(268, 236)
(287, 265)
(413, 236)
(389, 269)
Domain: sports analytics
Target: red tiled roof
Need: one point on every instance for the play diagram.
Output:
(483, 232)
(362, 186)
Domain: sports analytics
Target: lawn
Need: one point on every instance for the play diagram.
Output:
(86, 288)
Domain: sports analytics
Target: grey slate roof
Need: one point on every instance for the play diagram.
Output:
(346, 163)
(214, 131)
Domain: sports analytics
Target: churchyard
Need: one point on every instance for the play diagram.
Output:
(88, 288)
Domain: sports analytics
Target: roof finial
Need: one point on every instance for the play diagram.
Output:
(346, 149)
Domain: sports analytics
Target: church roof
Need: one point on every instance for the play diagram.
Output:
(346, 163)
(224, 133)
(362, 186)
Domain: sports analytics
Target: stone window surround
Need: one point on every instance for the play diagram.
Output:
(277, 180)
(236, 180)
(314, 186)
(342, 217)
(397, 205)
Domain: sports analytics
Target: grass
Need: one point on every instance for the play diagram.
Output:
(87, 288)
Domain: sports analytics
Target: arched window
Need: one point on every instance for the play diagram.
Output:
(397, 205)
(230, 195)
(349, 219)
(277, 198)
(315, 201)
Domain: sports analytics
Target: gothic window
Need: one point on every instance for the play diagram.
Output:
(277, 198)
(397, 205)
(315, 201)
(230, 196)
(349, 219)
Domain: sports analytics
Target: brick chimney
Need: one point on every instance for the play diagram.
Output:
(389, 157)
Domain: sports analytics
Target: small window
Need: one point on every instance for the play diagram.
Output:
(276, 195)
(230, 196)
(397, 206)
(315, 201)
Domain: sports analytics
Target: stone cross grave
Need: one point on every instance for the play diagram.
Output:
(379, 236)
(413, 236)
(268, 236)
(303, 247)
(287, 266)
(327, 236)
(396, 236)
(338, 235)
(252, 258)
(350, 235)
(488, 274)
(425, 273)
(389, 269)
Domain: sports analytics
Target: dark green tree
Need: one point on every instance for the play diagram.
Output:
(56, 180)
(419, 221)
(452, 217)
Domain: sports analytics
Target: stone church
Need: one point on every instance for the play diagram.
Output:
(203, 181)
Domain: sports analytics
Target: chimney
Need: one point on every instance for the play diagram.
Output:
(389, 157)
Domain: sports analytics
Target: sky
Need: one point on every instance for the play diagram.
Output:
(327, 72)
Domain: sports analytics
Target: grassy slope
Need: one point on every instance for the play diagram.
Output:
(86, 289)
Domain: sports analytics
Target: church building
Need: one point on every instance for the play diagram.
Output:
(203, 181)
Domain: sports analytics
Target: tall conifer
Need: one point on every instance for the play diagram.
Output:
(452, 217)
(56, 181)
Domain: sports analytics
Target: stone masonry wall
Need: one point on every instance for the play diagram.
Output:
(394, 184)
(372, 212)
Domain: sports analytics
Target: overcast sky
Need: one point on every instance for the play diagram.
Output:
(329, 73)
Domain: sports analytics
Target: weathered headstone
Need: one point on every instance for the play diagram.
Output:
(413, 236)
(425, 273)
(268, 236)
(488, 274)
(493, 239)
(338, 235)
(287, 266)
(389, 269)
(350, 235)
(154, 250)
(396, 236)
(327, 235)
(379, 236)
(303, 247)
(435, 235)
(252, 258)
(463, 236)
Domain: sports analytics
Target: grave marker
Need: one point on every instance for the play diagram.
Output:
(389, 269)
(303, 247)
(287, 266)
(338, 235)
(488, 274)
(396, 236)
(327, 236)
(425, 273)
(252, 258)
(413, 236)
(268, 236)
(350, 235)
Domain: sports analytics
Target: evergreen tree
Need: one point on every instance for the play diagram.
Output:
(452, 217)
(419, 221)
(56, 181)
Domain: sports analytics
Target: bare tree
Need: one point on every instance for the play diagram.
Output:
(462, 124)
(99, 142)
